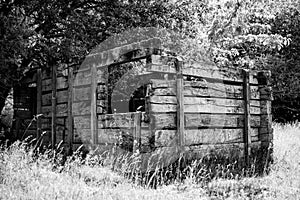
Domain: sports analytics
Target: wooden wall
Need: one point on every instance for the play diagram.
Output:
(216, 112)
(61, 104)
(194, 106)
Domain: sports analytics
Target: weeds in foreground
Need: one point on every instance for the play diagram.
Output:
(29, 174)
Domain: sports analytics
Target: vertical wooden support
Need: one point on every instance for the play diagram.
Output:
(180, 103)
(137, 132)
(39, 102)
(53, 107)
(70, 115)
(94, 104)
(265, 90)
(247, 125)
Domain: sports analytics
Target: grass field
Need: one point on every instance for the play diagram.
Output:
(24, 175)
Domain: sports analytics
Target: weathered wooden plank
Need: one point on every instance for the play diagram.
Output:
(82, 94)
(125, 137)
(82, 122)
(226, 121)
(60, 134)
(266, 119)
(266, 133)
(61, 83)
(112, 136)
(46, 122)
(234, 151)
(81, 108)
(203, 136)
(61, 97)
(61, 110)
(137, 132)
(53, 106)
(180, 101)
(200, 100)
(69, 121)
(207, 105)
(197, 120)
(202, 88)
(39, 101)
(247, 127)
(165, 64)
(82, 136)
(93, 104)
(119, 120)
(82, 78)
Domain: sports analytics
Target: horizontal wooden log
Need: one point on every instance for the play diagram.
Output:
(81, 108)
(202, 88)
(202, 105)
(61, 96)
(82, 122)
(46, 122)
(61, 110)
(203, 136)
(119, 120)
(61, 83)
(200, 100)
(168, 120)
(165, 64)
(234, 151)
(123, 136)
(82, 94)
(164, 156)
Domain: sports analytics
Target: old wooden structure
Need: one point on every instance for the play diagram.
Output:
(134, 95)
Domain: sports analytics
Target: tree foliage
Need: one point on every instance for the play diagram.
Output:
(257, 34)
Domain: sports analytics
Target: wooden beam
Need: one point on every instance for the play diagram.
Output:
(137, 132)
(265, 90)
(69, 139)
(39, 102)
(247, 125)
(180, 103)
(53, 107)
(94, 120)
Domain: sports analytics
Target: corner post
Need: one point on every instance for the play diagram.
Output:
(137, 132)
(265, 91)
(94, 104)
(247, 125)
(180, 103)
(39, 103)
(53, 106)
(70, 115)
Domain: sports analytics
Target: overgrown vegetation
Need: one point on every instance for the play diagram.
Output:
(27, 175)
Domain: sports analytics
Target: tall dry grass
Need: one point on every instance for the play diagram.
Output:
(24, 174)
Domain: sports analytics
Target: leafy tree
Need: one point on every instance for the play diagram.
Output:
(45, 33)
(255, 34)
